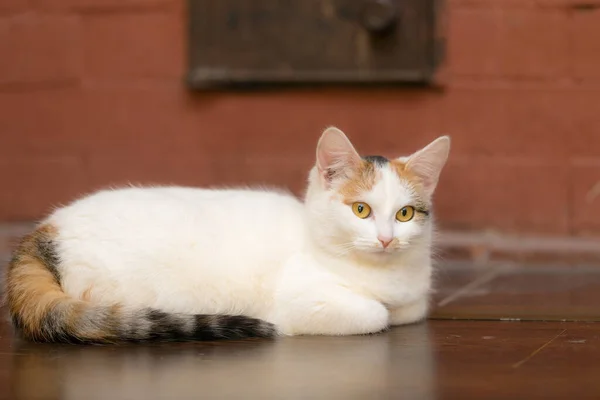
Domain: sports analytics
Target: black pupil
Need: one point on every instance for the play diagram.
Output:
(360, 208)
(404, 212)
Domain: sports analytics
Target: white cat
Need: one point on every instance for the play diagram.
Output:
(174, 263)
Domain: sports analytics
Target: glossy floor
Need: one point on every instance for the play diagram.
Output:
(498, 331)
(434, 360)
(518, 292)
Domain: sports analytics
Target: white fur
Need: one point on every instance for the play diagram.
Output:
(309, 268)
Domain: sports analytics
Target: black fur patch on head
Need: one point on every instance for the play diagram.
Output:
(379, 161)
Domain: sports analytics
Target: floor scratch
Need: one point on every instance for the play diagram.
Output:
(490, 275)
(542, 347)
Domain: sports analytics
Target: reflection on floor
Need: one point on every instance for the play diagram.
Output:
(497, 331)
(438, 359)
(517, 292)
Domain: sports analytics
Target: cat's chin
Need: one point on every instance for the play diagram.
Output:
(390, 251)
(379, 254)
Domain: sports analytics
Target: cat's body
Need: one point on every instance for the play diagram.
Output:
(217, 252)
(183, 263)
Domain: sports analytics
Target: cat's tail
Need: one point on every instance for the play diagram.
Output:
(43, 312)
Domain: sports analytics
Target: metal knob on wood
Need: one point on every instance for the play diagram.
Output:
(379, 16)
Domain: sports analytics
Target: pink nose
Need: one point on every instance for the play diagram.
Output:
(385, 242)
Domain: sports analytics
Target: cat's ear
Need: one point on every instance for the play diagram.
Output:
(335, 155)
(428, 162)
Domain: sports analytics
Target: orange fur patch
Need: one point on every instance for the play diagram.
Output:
(361, 181)
(32, 291)
(35, 297)
(403, 172)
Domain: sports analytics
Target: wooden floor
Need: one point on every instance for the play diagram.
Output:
(498, 331)
(434, 360)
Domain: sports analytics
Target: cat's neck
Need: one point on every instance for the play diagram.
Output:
(387, 279)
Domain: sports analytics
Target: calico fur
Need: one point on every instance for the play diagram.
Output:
(176, 263)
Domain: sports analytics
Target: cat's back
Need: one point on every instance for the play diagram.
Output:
(154, 206)
(165, 226)
(177, 249)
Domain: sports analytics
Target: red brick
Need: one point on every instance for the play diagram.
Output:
(163, 135)
(386, 122)
(583, 112)
(102, 5)
(164, 169)
(33, 186)
(166, 121)
(114, 120)
(585, 32)
(508, 42)
(585, 197)
(508, 122)
(100, 121)
(504, 196)
(472, 34)
(41, 123)
(389, 123)
(515, 3)
(281, 171)
(284, 172)
(489, 3)
(11, 6)
(477, 121)
(39, 49)
(133, 121)
(143, 121)
(167, 136)
(147, 45)
(263, 124)
(538, 125)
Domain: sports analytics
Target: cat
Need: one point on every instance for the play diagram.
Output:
(178, 263)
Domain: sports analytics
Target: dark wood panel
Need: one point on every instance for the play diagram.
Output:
(325, 41)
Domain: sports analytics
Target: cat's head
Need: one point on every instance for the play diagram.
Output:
(372, 206)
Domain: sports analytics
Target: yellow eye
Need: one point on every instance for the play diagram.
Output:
(361, 210)
(405, 214)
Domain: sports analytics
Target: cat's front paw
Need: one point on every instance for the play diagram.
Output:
(343, 314)
(409, 313)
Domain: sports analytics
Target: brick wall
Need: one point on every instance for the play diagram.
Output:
(91, 94)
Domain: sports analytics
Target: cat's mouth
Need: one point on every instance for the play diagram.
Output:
(382, 251)
(378, 249)
(398, 246)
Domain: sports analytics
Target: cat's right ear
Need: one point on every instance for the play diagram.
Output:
(335, 155)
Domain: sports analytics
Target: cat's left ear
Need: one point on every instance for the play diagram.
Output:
(336, 157)
(428, 162)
